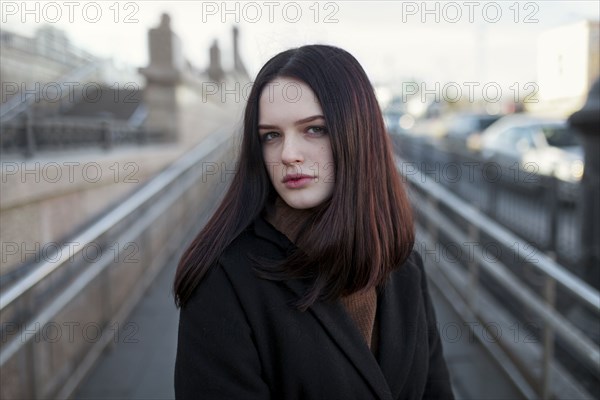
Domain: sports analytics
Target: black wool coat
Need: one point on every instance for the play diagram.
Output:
(239, 338)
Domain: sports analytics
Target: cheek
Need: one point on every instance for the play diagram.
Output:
(270, 165)
(268, 156)
(326, 154)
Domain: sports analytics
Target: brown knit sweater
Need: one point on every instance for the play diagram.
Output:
(361, 307)
(363, 310)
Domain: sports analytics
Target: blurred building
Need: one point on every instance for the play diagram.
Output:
(568, 64)
(172, 81)
(66, 104)
(45, 57)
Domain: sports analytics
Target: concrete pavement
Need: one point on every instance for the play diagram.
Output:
(140, 365)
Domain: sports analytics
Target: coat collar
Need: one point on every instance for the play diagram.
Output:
(386, 374)
(265, 230)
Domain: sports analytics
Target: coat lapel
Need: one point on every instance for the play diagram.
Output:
(397, 311)
(396, 344)
(342, 330)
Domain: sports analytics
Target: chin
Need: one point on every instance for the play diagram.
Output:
(303, 202)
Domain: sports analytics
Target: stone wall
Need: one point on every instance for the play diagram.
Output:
(48, 199)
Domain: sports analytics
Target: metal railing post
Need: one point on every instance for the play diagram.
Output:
(431, 226)
(473, 270)
(548, 338)
(553, 209)
(29, 135)
(492, 191)
(107, 134)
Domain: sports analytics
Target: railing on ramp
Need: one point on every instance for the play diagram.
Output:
(58, 319)
(490, 275)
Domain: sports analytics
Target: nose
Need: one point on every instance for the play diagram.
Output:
(291, 152)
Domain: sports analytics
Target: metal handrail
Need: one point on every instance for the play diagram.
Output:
(448, 288)
(584, 346)
(543, 306)
(574, 285)
(116, 215)
(87, 276)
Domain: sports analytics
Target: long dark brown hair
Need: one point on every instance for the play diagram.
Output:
(366, 229)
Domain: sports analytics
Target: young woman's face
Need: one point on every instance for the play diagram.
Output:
(295, 143)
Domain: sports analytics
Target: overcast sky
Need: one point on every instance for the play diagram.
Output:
(470, 41)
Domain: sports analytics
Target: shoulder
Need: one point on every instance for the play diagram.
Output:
(407, 284)
(235, 266)
(411, 271)
(259, 241)
(215, 286)
(415, 261)
(418, 281)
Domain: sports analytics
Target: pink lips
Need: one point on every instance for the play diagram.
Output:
(296, 180)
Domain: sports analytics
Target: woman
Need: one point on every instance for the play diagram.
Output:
(304, 284)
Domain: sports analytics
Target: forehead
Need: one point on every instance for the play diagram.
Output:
(285, 100)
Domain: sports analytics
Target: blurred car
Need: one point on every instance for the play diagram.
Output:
(464, 130)
(536, 146)
(397, 120)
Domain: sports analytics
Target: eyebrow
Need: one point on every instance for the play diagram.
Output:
(299, 122)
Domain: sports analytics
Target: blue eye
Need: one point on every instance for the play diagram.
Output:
(317, 130)
(268, 136)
